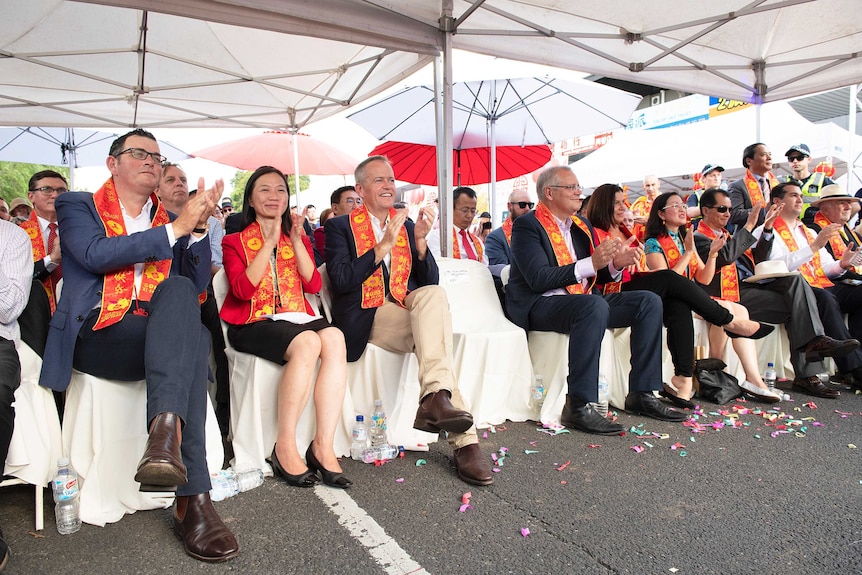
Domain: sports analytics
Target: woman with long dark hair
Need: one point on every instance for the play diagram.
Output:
(270, 266)
(679, 296)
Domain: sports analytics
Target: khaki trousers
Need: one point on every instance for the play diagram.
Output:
(425, 328)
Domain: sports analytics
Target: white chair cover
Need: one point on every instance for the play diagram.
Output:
(491, 358)
(388, 376)
(36, 442)
(105, 433)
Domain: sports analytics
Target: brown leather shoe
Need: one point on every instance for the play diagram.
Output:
(436, 413)
(824, 346)
(472, 465)
(813, 386)
(162, 463)
(204, 535)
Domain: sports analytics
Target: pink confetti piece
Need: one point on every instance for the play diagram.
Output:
(810, 405)
(464, 508)
(594, 445)
(484, 435)
(496, 470)
(564, 482)
(637, 449)
(399, 480)
(676, 446)
(524, 531)
(466, 497)
(564, 465)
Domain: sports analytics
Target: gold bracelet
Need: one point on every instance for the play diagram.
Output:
(713, 257)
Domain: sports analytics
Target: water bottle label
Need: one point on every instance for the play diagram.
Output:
(538, 392)
(360, 435)
(65, 489)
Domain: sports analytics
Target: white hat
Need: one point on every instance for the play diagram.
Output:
(833, 192)
(770, 269)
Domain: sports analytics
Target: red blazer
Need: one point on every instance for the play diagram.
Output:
(237, 304)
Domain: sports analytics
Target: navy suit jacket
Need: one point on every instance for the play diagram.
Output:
(88, 254)
(497, 248)
(347, 272)
(535, 269)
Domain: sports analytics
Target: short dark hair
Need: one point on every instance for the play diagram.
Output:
(248, 213)
(119, 144)
(709, 198)
(335, 198)
(463, 190)
(44, 174)
(748, 153)
(310, 206)
(779, 191)
(600, 209)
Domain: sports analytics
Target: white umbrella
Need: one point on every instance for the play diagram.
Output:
(65, 146)
(511, 112)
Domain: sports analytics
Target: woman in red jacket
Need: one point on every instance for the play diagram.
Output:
(270, 266)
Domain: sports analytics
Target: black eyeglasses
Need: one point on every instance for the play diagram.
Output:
(523, 205)
(48, 190)
(795, 158)
(141, 154)
(719, 209)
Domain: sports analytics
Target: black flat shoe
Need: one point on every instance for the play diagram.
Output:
(307, 479)
(764, 330)
(331, 478)
(676, 400)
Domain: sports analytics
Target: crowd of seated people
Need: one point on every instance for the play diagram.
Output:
(138, 255)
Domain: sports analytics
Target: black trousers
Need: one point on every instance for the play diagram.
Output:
(680, 296)
(10, 379)
(832, 316)
(169, 348)
(850, 301)
(211, 320)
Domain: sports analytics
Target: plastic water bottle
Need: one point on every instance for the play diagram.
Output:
(379, 453)
(248, 479)
(604, 393)
(66, 495)
(360, 439)
(224, 484)
(537, 396)
(378, 425)
(769, 376)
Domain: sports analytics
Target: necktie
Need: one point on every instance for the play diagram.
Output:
(468, 245)
(52, 238)
(764, 186)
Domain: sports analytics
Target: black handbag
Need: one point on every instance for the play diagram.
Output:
(715, 385)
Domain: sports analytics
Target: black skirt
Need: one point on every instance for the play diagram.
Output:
(269, 339)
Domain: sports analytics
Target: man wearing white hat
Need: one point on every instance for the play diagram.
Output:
(836, 207)
(804, 251)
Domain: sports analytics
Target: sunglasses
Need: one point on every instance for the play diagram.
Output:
(719, 209)
(795, 158)
(523, 205)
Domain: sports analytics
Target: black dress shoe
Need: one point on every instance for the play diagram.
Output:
(331, 478)
(813, 386)
(764, 330)
(824, 346)
(585, 418)
(853, 378)
(677, 400)
(307, 479)
(204, 535)
(161, 468)
(645, 403)
(436, 413)
(472, 466)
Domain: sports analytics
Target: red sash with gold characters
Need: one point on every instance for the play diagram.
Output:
(672, 254)
(811, 270)
(839, 244)
(729, 274)
(290, 295)
(34, 230)
(118, 288)
(373, 290)
(507, 230)
(558, 244)
(753, 186)
(610, 287)
(456, 245)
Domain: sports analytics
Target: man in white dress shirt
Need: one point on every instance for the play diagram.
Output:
(465, 245)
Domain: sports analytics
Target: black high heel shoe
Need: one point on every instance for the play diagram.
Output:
(307, 479)
(764, 330)
(331, 478)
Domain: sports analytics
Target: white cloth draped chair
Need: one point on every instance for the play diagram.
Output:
(391, 377)
(36, 440)
(491, 357)
(104, 434)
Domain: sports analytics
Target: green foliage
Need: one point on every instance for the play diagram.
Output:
(239, 180)
(14, 177)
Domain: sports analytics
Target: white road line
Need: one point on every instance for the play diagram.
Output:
(365, 529)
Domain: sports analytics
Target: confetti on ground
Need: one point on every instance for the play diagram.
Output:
(530, 451)
(683, 453)
(594, 445)
(420, 462)
(465, 502)
(673, 569)
(464, 507)
(648, 444)
(399, 480)
(676, 446)
(851, 446)
(484, 435)
(466, 497)
(564, 465)
(637, 449)
(810, 405)
(524, 531)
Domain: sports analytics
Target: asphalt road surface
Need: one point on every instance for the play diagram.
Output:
(739, 495)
